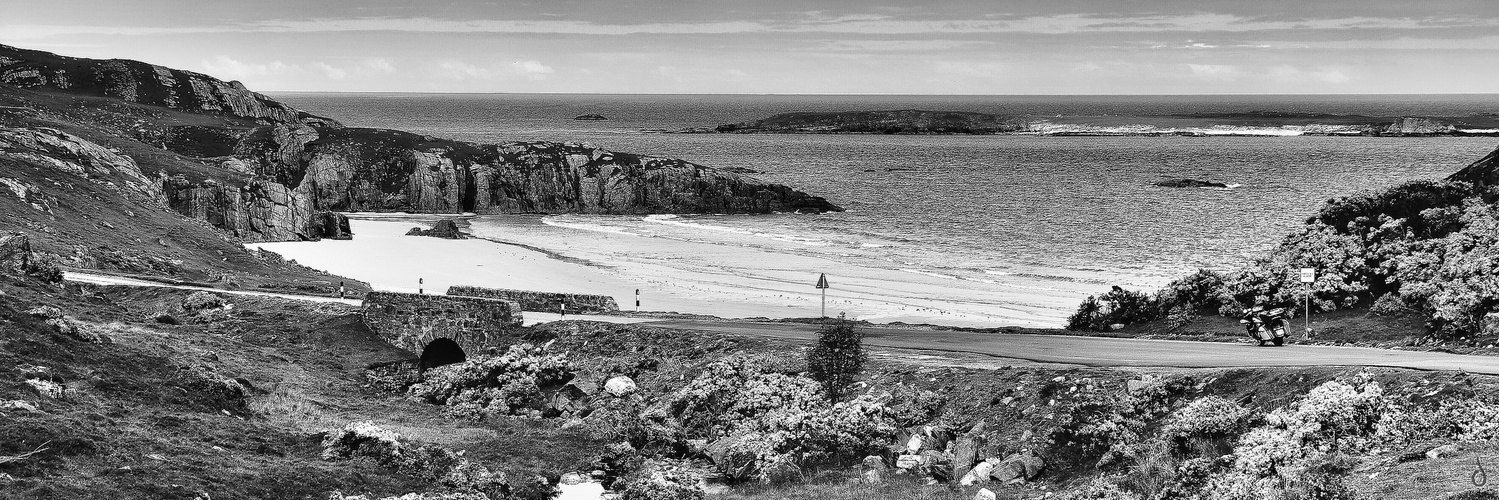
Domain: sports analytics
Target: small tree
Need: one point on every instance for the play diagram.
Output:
(838, 356)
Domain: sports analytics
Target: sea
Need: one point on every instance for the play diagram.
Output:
(958, 229)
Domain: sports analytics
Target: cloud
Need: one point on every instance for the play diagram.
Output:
(1216, 72)
(228, 68)
(459, 70)
(532, 68)
(332, 72)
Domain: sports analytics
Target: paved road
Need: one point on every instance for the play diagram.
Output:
(529, 317)
(1101, 351)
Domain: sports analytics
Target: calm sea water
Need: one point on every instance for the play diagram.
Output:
(1079, 213)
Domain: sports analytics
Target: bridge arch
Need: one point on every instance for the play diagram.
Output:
(442, 351)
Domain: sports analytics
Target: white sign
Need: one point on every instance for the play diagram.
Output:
(1308, 275)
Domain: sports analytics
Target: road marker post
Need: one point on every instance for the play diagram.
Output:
(822, 284)
(637, 300)
(1308, 275)
(419, 285)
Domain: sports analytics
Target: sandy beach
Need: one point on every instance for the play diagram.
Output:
(700, 276)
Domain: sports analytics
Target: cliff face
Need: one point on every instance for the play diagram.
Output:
(371, 169)
(1484, 172)
(269, 172)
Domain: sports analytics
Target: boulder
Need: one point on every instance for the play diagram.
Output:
(1445, 450)
(984, 494)
(966, 450)
(978, 475)
(45, 312)
(908, 462)
(1017, 467)
(445, 228)
(620, 386)
(15, 252)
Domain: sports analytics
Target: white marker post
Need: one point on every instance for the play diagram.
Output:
(637, 300)
(1308, 275)
(822, 284)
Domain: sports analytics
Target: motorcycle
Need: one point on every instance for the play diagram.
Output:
(1266, 325)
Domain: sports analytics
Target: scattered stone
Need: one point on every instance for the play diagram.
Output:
(1445, 450)
(18, 404)
(45, 312)
(908, 462)
(984, 494)
(620, 386)
(572, 478)
(47, 388)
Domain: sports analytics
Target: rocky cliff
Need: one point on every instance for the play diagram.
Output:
(1484, 172)
(270, 172)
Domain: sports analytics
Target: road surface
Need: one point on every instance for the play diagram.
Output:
(1102, 351)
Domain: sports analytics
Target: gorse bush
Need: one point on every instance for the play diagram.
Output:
(768, 426)
(509, 384)
(1424, 247)
(837, 357)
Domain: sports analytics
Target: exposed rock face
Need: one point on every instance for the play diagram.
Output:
(1483, 173)
(372, 169)
(66, 153)
(15, 252)
(259, 211)
(445, 228)
(138, 82)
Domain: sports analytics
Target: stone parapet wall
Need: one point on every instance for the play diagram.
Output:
(410, 321)
(542, 301)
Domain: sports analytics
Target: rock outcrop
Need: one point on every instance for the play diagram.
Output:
(1483, 173)
(271, 172)
(906, 121)
(138, 82)
(446, 229)
(50, 149)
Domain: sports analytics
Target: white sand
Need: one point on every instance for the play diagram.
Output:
(700, 277)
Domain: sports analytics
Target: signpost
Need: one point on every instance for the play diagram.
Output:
(1308, 275)
(822, 284)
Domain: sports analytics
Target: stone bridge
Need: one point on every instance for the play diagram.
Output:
(441, 328)
(542, 301)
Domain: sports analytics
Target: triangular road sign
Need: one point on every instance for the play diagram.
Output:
(822, 281)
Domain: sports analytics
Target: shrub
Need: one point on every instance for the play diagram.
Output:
(508, 384)
(1118, 306)
(1206, 420)
(1107, 426)
(1334, 417)
(664, 479)
(838, 356)
(46, 267)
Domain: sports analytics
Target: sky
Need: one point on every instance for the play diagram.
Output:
(790, 46)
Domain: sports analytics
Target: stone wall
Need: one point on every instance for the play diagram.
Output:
(542, 301)
(410, 321)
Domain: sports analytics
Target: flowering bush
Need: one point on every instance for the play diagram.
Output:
(1333, 417)
(664, 479)
(1108, 425)
(767, 425)
(1208, 417)
(508, 384)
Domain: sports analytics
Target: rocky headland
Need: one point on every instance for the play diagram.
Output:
(265, 171)
(907, 121)
(1191, 183)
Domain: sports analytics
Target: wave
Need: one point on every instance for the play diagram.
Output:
(1048, 128)
(583, 226)
(675, 220)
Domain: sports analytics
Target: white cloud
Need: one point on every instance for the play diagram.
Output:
(459, 70)
(332, 72)
(1216, 72)
(228, 68)
(532, 67)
